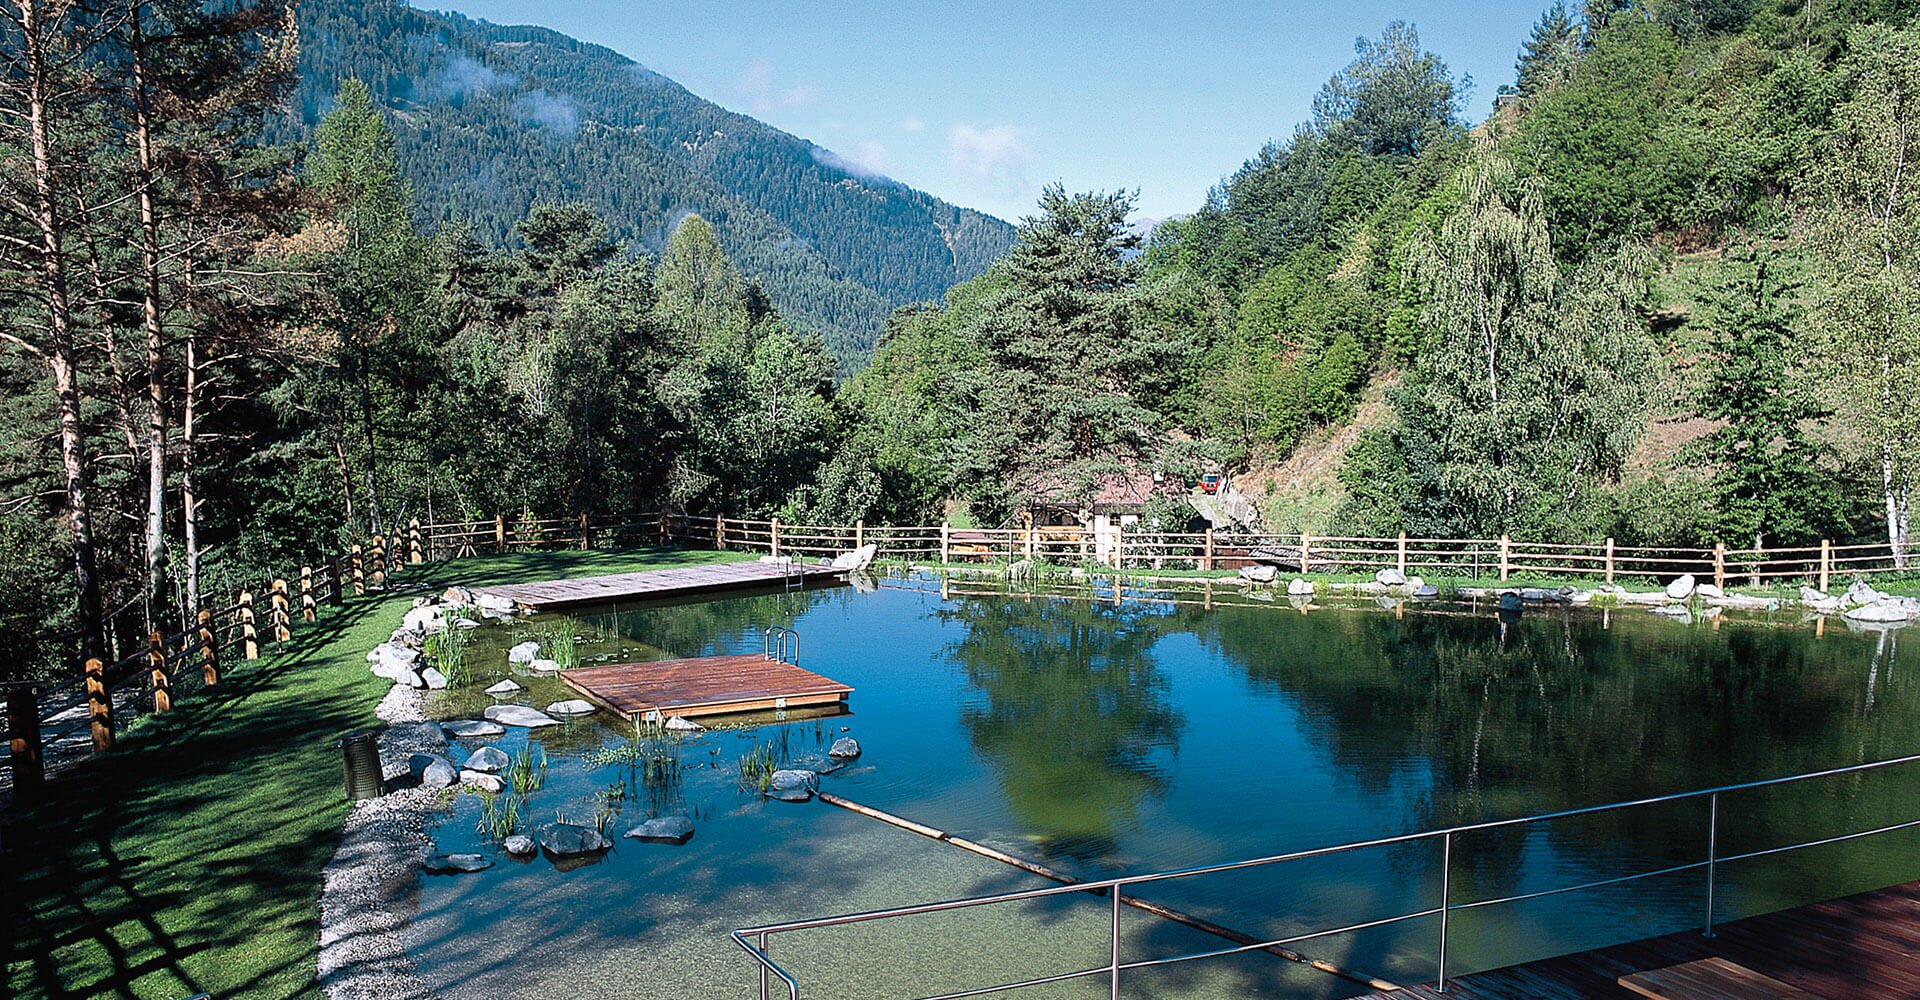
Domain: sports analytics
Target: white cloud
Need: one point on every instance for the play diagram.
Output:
(764, 96)
(912, 123)
(869, 159)
(995, 156)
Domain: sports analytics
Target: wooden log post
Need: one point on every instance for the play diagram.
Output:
(1026, 533)
(859, 533)
(1206, 561)
(1506, 558)
(1402, 563)
(1306, 546)
(306, 595)
(416, 546)
(281, 612)
(99, 705)
(359, 571)
(249, 635)
(946, 544)
(1609, 560)
(209, 650)
(1826, 563)
(500, 533)
(586, 533)
(719, 531)
(1119, 553)
(773, 537)
(379, 575)
(1720, 565)
(23, 741)
(157, 670)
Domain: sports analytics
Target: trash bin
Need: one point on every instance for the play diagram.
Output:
(361, 748)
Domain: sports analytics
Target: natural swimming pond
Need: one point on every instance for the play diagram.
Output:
(1106, 738)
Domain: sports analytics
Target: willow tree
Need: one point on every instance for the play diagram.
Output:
(1871, 233)
(1532, 383)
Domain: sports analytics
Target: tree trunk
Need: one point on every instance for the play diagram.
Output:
(189, 509)
(60, 358)
(144, 179)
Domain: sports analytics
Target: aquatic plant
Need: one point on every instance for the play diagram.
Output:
(499, 815)
(757, 767)
(447, 649)
(526, 771)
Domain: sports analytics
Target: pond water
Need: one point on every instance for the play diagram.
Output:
(1171, 729)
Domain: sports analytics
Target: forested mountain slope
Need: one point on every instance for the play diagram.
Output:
(491, 120)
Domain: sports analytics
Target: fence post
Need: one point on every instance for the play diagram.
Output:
(719, 531)
(23, 741)
(1720, 565)
(859, 533)
(249, 636)
(415, 555)
(773, 537)
(1609, 560)
(1826, 563)
(306, 594)
(500, 533)
(380, 544)
(1207, 562)
(157, 667)
(1506, 557)
(282, 618)
(1026, 519)
(945, 530)
(209, 651)
(1306, 546)
(1403, 554)
(99, 705)
(359, 572)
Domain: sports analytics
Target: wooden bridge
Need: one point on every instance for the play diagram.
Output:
(690, 581)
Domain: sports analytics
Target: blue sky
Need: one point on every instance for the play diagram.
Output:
(984, 103)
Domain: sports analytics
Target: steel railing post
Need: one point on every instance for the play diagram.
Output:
(763, 965)
(1446, 878)
(1713, 854)
(1116, 942)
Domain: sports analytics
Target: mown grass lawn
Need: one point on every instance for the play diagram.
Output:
(188, 858)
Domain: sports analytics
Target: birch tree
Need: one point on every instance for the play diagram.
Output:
(1871, 233)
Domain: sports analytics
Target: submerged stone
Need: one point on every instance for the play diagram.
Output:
(450, 864)
(670, 829)
(566, 839)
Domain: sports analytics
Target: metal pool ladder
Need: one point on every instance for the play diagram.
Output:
(776, 642)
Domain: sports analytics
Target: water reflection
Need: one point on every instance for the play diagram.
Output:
(1074, 714)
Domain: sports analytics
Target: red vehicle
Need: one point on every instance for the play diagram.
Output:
(1210, 483)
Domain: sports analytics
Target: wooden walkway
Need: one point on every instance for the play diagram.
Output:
(657, 583)
(1864, 947)
(707, 685)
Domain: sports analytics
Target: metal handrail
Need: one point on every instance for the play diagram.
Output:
(774, 644)
(760, 935)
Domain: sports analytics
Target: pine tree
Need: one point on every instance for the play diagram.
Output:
(1549, 52)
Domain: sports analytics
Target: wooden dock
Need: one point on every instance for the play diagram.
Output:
(707, 685)
(688, 581)
(1863, 947)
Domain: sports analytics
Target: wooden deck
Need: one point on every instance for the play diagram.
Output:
(1864, 947)
(656, 583)
(707, 685)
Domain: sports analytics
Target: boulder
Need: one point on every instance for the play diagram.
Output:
(1861, 592)
(1297, 587)
(568, 839)
(680, 725)
(389, 658)
(469, 728)
(424, 619)
(1877, 614)
(408, 639)
(519, 845)
(1677, 612)
(524, 652)
(572, 706)
(456, 595)
(858, 559)
(495, 604)
(1810, 595)
(487, 759)
(436, 681)
(408, 678)
(1709, 591)
(1390, 578)
(544, 666)
(792, 785)
(483, 781)
(1681, 588)
(1259, 574)
(504, 689)
(1021, 569)
(1414, 583)
(432, 770)
(1425, 592)
(520, 715)
(451, 864)
(844, 748)
(668, 829)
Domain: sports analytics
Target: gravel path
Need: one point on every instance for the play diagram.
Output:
(367, 898)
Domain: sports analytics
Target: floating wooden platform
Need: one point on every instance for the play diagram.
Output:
(707, 685)
(1863, 947)
(657, 583)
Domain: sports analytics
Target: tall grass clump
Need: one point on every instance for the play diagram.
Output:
(527, 771)
(447, 649)
(500, 815)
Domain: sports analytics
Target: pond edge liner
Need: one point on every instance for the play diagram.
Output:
(1158, 910)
